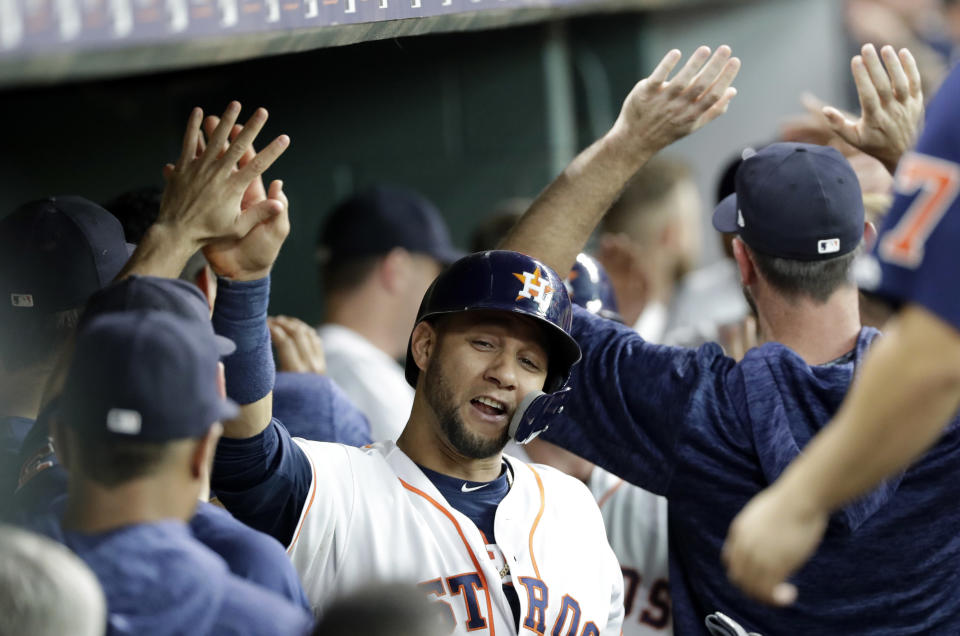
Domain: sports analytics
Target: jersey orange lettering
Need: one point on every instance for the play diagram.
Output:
(937, 183)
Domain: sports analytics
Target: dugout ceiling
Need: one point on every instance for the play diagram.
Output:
(45, 41)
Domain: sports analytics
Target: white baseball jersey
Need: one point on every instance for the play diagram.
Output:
(636, 523)
(371, 515)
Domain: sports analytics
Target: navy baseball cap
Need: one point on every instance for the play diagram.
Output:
(54, 253)
(796, 201)
(159, 294)
(381, 218)
(144, 375)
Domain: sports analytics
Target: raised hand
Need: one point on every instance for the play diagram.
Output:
(299, 347)
(251, 256)
(659, 111)
(205, 194)
(891, 105)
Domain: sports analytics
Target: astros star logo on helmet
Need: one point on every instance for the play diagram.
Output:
(536, 288)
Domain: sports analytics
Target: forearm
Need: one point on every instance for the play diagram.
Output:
(241, 315)
(560, 221)
(908, 391)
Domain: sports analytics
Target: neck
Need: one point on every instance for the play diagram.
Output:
(817, 332)
(423, 443)
(21, 393)
(94, 508)
(371, 317)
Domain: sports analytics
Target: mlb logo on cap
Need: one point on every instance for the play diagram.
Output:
(21, 300)
(828, 246)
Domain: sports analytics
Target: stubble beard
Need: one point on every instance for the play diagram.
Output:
(441, 401)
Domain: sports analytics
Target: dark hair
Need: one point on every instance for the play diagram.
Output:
(136, 210)
(815, 279)
(340, 276)
(112, 462)
(37, 340)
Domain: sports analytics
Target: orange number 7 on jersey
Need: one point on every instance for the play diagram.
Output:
(938, 182)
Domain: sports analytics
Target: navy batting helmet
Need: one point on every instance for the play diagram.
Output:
(509, 281)
(590, 287)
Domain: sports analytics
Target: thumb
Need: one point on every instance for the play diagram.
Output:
(168, 171)
(842, 126)
(256, 214)
(784, 594)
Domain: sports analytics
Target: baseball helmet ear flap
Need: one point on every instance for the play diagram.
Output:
(500, 280)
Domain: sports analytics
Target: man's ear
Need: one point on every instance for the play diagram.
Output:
(423, 343)
(869, 235)
(201, 461)
(748, 270)
(393, 270)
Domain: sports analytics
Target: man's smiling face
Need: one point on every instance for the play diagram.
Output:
(484, 363)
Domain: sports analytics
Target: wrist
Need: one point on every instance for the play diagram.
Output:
(627, 145)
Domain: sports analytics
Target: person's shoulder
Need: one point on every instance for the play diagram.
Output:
(252, 610)
(559, 488)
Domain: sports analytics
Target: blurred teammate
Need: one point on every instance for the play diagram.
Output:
(378, 250)
(45, 590)
(908, 390)
(54, 253)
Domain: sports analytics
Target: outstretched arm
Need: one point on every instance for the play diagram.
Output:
(657, 112)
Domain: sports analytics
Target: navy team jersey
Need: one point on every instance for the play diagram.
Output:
(312, 406)
(710, 433)
(917, 249)
(158, 580)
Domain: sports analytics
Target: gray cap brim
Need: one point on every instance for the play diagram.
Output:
(725, 215)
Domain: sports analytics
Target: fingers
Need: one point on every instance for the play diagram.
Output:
(710, 74)
(746, 573)
(276, 192)
(288, 355)
(866, 91)
(190, 136)
(218, 137)
(665, 67)
(718, 96)
(686, 74)
(718, 108)
(262, 160)
(912, 72)
(302, 347)
(246, 136)
(843, 126)
(877, 73)
(898, 77)
(261, 212)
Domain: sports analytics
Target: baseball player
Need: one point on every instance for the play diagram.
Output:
(910, 387)
(503, 546)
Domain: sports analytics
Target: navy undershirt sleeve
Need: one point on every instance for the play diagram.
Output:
(263, 480)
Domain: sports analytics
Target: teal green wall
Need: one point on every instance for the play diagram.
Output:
(461, 118)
